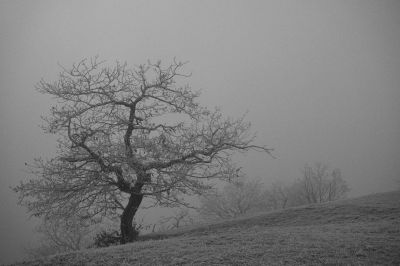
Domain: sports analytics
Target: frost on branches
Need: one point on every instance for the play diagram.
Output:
(125, 134)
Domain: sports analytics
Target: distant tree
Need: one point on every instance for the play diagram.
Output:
(126, 134)
(278, 196)
(179, 218)
(61, 235)
(318, 184)
(236, 199)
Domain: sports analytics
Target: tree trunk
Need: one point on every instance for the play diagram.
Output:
(128, 233)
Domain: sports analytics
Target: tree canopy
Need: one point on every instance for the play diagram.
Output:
(128, 133)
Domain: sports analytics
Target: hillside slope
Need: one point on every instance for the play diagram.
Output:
(362, 231)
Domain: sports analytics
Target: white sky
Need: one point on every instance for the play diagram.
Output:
(320, 79)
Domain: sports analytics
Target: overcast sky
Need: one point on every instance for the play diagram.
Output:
(320, 79)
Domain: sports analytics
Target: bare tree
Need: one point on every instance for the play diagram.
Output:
(236, 199)
(61, 235)
(320, 185)
(278, 195)
(179, 218)
(125, 134)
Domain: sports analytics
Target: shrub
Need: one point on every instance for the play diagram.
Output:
(107, 238)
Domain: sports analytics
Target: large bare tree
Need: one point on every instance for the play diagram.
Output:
(125, 134)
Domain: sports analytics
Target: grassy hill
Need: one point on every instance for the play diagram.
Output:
(361, 231)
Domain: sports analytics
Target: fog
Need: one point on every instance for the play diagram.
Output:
(319, 79)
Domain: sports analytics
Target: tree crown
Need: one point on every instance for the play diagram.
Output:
(126, 131)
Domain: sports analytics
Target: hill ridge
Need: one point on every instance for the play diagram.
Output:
(363, 230)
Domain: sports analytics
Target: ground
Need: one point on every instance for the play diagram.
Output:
(361, 231)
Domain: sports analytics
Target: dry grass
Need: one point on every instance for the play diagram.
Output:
(363, 231)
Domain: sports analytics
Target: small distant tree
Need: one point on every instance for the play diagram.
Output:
(126, 134)
(318, 184)
(278, 196)
(236, 199)
(61, 235)
(180, 217)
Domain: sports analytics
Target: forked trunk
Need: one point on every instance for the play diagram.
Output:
(128, 232)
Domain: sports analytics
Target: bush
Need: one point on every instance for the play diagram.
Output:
(107, 238)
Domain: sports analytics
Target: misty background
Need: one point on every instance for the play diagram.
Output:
(319, 79)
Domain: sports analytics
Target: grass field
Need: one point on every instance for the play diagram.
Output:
(362, 231)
